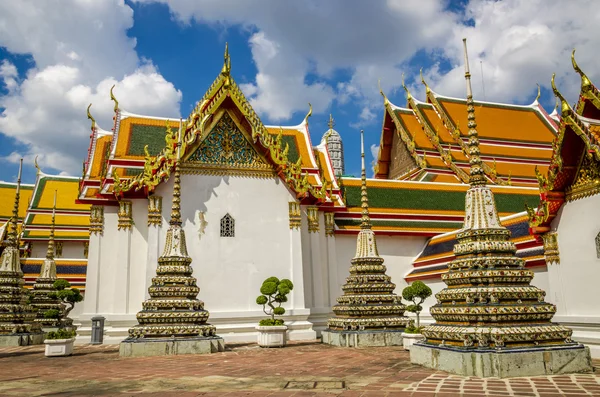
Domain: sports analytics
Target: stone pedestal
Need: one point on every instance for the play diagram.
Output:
(504, 363)
(362, 338)
(25, 339)
(143, 347)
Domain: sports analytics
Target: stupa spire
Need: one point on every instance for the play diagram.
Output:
(13, 232)
(50, 251)
(365, 223)
(476, 175)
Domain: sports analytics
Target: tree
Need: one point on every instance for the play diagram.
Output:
(416, 293)
(274, 293)
(69, 296)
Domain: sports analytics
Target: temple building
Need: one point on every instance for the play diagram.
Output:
(260, 201)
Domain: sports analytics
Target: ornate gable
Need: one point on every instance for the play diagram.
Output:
(227, 150)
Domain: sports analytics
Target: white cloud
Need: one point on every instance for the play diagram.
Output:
(80, 50)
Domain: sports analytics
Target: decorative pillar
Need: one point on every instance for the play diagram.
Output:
(155, 211)
(125, 216)
(329, 224)
(312, 213)
(295, 216)
(123, 247)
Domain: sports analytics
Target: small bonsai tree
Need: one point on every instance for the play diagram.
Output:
(69, 296)
(274, 293)
(416, 293)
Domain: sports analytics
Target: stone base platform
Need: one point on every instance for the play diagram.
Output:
(22, 339)
(170, 346)
(504, 363)
(361, 338)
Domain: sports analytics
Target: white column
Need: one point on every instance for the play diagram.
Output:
(334, 291)
(92, 278)
(297, 295)
(121, 275)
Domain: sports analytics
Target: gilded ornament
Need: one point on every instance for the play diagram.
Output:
(312, 213)
(295, 215)
(86, 249)
(329, 224)
(551, 248)
(125, 214)
(59, 248)
(97, 219)
(155, 210)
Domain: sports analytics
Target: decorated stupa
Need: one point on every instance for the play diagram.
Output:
(368, 313)
(43, 288)
(173, 320)
(489, 306)
(16, 315)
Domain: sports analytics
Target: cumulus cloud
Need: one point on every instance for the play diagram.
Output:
(80, 49)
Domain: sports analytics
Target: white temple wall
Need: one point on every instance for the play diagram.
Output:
(573, 285)
(137, 289)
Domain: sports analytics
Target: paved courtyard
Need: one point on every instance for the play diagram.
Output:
(301, 369)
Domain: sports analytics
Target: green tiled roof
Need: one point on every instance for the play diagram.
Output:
(402, 223)
(433, 199)
(142, 135)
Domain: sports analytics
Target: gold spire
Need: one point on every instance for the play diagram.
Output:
(476, 176)
(50, 251)
(331, 123)
(89, 116)
(364, 200)
(112, 97)
(12, 234)
(176, 206)
(585, 81)
(427, 89)
(564, 107)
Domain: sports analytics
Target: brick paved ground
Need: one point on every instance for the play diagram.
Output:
(301, 369)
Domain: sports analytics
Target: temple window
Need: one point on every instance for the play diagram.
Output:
(227, 226)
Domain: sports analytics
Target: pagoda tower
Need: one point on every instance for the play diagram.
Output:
(44, 286)
(335, 147)
(16, 316)
(173, 320)
(369, 313)
(489, 320)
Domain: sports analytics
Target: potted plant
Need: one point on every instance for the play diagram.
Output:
(416, 293)
(60, 342)
(271, 331)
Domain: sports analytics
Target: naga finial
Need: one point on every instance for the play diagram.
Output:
(308, 114)
(385, 100)
(564, 108)
(427, 89)
(37, 167)
(114, 99)
(408, 95)
(226, 61)
(89, 116)
(539, 94)
(585, 81)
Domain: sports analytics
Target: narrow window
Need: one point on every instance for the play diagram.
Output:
(227, 226)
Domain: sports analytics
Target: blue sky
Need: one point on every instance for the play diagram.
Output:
(163, 55)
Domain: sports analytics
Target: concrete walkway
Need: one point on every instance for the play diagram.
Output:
(300, 369)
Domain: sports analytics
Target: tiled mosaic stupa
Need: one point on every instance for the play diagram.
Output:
(173, 320)
(16, 315)
(44, 286)
(489, 304)
(369, 313)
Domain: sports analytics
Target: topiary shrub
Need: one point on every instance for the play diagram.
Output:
(69, 296)
(416, 293)
(274, 293)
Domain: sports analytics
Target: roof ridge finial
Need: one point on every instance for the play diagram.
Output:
(305, 121)
(427, 89)
(12, 235)
(585, 81)
(114, 99)
(89, 116)
(37, 167)
(476, 176)
(408, 94)
(50, 251)
(564, 108)
(331, 122)
(226, 61)
(385, 100)
(539, 93)
(364, 199)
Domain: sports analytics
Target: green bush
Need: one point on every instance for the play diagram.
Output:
(416, 293)
(274, 293)
(268, 322)
(52, 313)
(60, 334)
